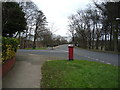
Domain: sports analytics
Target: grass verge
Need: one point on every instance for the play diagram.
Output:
(43, 48)
(94, 50)
(78, 74)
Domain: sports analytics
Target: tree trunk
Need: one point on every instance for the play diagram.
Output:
(34, 42)
(35, 37)
(105, 42)
(93, 38)
(102, 44)
(97, 42)
(115, 36)
(110, 45)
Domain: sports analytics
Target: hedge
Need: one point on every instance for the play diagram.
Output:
(9, 48)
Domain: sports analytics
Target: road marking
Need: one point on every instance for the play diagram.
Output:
(51, 51)
(59, 51)
(31, 54)
(64, 50)
(102, 61)
(96, 59)
(92, 58)
(88, 57)
(108, 63)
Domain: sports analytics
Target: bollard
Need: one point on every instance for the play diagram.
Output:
(70, 48)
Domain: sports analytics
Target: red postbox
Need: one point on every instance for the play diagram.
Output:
(71, 51)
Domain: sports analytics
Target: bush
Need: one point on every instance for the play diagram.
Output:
(9, 47)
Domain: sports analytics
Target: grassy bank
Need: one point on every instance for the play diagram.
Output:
(78, 74)
(42, 48)
(95, 50)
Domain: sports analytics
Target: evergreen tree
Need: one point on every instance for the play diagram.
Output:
(13, 19)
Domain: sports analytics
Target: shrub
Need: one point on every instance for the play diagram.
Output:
(9, 47)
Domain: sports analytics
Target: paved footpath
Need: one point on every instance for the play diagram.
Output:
(26, 72)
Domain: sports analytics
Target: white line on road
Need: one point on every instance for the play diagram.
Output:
(64, 50)
(96, 59)
(59, 51)
(92, 58)
(108, 63)
(51, 51)
(31, 54)
(102, 61)
(88, 57)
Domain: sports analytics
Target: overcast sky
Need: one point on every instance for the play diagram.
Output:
(57, 11)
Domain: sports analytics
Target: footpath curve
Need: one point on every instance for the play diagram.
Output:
(27, 71)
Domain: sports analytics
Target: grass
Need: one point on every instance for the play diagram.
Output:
(78, 74)
(95, 50)
(42, 48)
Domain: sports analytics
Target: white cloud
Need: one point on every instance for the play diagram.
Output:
(57, 11)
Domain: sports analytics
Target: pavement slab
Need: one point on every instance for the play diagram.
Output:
(26, 72)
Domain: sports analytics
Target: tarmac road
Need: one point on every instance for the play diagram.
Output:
(79, 54)
(27, 73)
